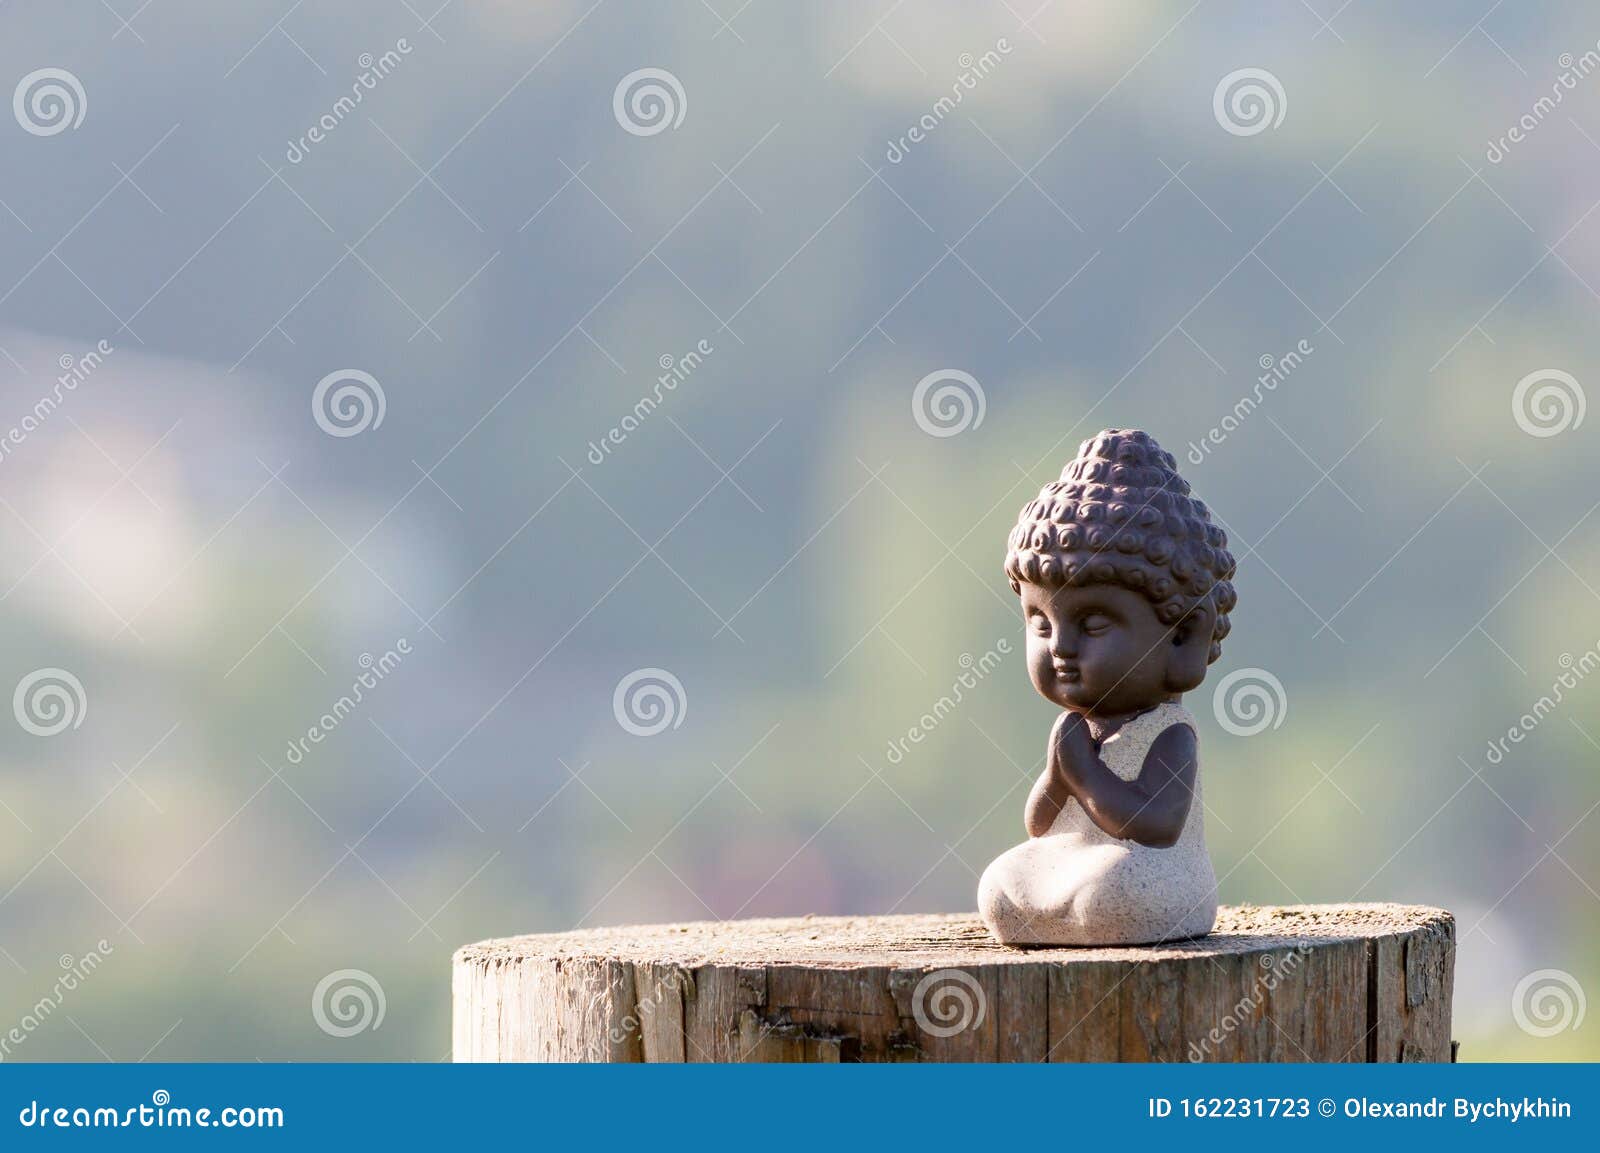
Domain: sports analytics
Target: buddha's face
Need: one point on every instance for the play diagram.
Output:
(1097, 649)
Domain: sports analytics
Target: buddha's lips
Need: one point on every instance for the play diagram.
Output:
(1068, 673)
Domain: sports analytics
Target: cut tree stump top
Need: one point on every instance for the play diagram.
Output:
(1360, 982)
(936, 939)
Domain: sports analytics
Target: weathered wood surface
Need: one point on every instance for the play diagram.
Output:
(1294, 983)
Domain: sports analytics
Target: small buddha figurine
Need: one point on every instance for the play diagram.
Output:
(1125, 590)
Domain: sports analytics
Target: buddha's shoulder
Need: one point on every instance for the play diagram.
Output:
(1166, 715)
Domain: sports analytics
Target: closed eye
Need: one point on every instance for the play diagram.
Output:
(1097, 623)
(1040, 624)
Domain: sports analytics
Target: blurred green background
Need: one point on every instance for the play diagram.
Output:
(1081, 233)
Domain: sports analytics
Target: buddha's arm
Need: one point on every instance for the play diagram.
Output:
(1151, 808)
(1050, 791)
(1044, 803)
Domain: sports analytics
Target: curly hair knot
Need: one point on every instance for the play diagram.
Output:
(1121, 514)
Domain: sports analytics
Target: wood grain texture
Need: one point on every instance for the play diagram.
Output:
(1291, 983)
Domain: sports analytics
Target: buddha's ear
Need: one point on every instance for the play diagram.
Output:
(1190, 652)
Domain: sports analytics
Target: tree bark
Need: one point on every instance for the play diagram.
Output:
(1295, 983)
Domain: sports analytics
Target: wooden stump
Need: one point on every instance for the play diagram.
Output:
(1296, 983)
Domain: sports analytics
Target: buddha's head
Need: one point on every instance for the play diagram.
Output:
(1125, 583)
